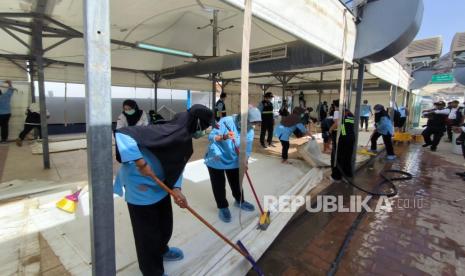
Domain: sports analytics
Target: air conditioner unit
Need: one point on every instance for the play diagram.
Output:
(167, 71)
(458, 47)
(429, 47)
(268, 53)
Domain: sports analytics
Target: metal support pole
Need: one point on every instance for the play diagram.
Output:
(358, 99)
(155, 90)
(38, 55)
(99, 135)
(189, 100)
(214, 53)
(351, 80)
(245, 61)
(392, 102)
(31, 78)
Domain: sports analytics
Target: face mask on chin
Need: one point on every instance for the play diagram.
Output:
(130, 112)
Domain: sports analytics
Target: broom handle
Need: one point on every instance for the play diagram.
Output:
(248, 176)
(193, 212)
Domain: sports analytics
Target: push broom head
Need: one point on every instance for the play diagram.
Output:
(69, 202)
(264, 221)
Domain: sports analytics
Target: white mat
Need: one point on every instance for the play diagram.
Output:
(69, 237)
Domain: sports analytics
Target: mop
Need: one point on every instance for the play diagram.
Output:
(239, 247)
(364, 149)
(264, 220)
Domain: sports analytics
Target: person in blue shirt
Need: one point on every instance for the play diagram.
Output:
(5, 110)
(365, 114)
(222, 159)
(289, 125)
(161, 150)
(385, 129)
(400, 117)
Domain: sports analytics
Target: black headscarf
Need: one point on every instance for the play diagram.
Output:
(171, 142)
(380, 114)
(134, 118)
(294, 118)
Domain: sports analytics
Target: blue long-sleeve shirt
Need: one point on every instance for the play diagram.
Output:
(365, 110)
(283, 133)
(138, 189)
(5, 101)
(384, 126)
(222, 155)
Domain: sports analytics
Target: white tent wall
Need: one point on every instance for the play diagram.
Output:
(327, 19)
(9, 71)
(390, 71)
(19, 102)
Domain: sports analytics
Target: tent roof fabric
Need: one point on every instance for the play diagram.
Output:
(183, 25)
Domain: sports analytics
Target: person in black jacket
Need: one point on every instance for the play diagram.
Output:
(454, 119)
(32, 121)
(436, 124)
(220, 107)
(266, 108)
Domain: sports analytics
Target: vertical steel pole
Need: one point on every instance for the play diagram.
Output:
(358, 99)
(392, 102)
(31, 77)
(214, 53)
(99, 135)
(38, 53)
(351, 80)
(245, 63)
(156, 95)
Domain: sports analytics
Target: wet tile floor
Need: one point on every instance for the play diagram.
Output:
(423, 235)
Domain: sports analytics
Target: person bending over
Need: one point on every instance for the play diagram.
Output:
(161, 150)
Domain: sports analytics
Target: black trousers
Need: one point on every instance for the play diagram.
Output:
(27, 129)
(152, 226)
(285, 150)
(437, 135)
(219, 186)
(4, 119)
(267, 126)
(449, 128)
(387, 139)
(345, 149)
(364, 119)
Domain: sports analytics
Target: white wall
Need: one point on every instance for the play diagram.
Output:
(19, 103)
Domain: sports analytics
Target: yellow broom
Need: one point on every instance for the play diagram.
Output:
(69, 202)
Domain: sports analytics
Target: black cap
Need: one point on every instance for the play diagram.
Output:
(440, 103)
(269, 95)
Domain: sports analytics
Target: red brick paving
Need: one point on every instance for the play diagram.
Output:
(406, 241)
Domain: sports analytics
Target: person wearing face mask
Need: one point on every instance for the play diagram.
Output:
(131, 115)
(222, 159)
(385, 129)
(162, 150)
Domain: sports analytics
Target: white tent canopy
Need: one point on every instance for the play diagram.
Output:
(177, 24)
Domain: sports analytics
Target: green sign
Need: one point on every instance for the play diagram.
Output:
(442, 78)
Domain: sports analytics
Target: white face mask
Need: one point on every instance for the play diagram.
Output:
(130, 112)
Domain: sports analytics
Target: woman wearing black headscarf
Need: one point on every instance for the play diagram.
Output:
(131, 115)
(162, 150)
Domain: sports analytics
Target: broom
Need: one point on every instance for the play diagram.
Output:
(239, 247)
(264, 220)
(69, 202)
